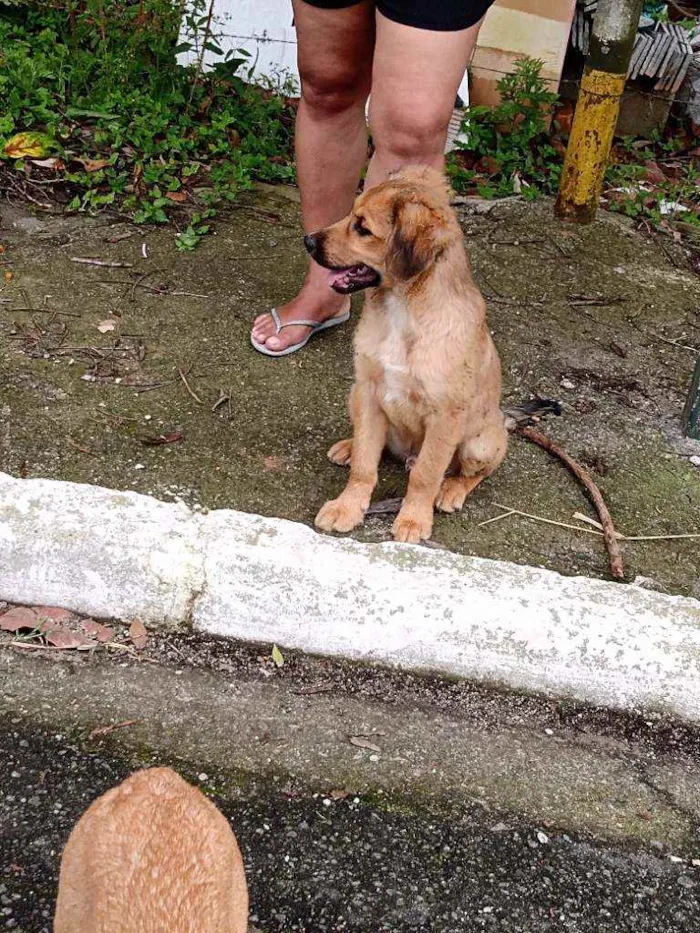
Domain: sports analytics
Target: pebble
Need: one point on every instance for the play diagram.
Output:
(567, 384)
(695, 460)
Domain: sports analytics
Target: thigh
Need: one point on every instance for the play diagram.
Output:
(417, 71)
(335, 40)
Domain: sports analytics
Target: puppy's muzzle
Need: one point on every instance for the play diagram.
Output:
(346, 279)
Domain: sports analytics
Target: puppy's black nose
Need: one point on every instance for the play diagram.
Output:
(311, 242)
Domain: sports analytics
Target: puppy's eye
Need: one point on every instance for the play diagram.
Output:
(360, 228)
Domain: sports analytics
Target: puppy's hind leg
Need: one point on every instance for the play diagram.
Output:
(479, 457)
(341, 452)
(454, 491)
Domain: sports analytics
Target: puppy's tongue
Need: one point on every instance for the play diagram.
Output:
(346, 275)
(340, 276)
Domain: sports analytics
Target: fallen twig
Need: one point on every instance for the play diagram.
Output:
(111, 264)
(385, 507)
(83, 450)
(497, 518)
(223, 398)
(540, 518)
(673, 343)
(189, 388)
(509, 512)
(609, 533)
(138, 656)
(105, 730)
(39, 310)
(597, 300)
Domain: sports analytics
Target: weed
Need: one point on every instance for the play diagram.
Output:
(509, 142)
(125, 124)
(508, 149)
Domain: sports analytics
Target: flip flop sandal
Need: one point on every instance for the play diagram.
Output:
(315, 328)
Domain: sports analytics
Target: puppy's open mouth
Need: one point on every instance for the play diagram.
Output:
(354, 279)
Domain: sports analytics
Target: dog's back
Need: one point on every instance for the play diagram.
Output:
(153, 855)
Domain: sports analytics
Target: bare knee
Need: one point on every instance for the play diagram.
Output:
(326, 94)
(411, 134)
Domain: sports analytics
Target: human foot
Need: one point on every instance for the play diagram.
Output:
(315, 302)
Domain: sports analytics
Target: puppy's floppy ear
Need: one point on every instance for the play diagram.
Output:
(419, 235)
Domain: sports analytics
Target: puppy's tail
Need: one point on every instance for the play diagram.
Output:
(530, 412)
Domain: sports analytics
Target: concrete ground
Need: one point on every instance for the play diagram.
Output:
(463, 810)
(603, 316)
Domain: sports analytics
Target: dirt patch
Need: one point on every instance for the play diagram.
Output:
(600, 316)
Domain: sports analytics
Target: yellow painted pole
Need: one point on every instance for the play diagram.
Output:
(597, 108)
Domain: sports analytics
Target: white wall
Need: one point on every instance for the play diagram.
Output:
(264, 28)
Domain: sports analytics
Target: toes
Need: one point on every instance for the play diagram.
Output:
(338, 516)
(451, 496)
(263, 328)
(274, 343)
(340, 453)
(412, 530)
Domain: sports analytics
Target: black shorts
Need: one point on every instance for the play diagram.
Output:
(438, 15)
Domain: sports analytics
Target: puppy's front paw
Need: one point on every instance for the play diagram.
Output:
(339, 515)
(413, 526)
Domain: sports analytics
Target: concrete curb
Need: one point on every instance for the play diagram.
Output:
(121, 555)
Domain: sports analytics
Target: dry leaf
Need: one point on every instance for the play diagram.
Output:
(339, 794)
(53, 162)
(18, 618)
(103, 633)
(176, 196)
(93, 165)
(105, 326)
(138, 634)
(277, 656)
(65, 638)
(360, 742)
(653, 173)
(27, 146)
(7, 276)
(55, 613)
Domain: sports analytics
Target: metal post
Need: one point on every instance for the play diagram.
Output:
(691, 412)
(612, 40)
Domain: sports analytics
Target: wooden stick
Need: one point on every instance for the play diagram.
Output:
(102, 262)
(547, 521)
(609, 533)
(189, 388)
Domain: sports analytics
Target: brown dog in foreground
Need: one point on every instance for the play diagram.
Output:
(427, 373)
(153, 855)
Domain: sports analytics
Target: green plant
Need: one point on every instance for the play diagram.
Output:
(509, 142)
(127, 125)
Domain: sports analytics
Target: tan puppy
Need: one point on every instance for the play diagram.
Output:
(427, 374)
(153, 855)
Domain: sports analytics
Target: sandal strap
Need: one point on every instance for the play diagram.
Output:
(280, 325)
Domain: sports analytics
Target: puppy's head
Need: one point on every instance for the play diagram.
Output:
(395, 232)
